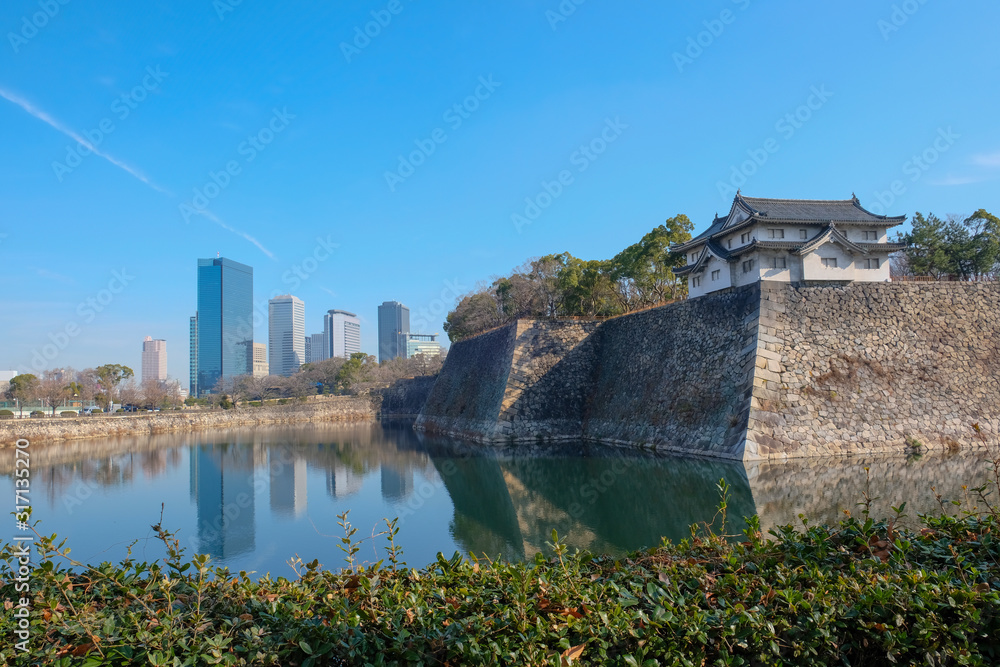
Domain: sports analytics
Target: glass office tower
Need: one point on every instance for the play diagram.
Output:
(225, 321)
(393, 325)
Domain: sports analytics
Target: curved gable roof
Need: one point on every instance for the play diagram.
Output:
(813, 210)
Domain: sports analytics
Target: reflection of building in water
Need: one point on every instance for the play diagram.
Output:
(342, 482)
(288, 483)
(397, 484)
(222, 489)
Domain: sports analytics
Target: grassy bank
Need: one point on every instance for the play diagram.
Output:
(861, 593)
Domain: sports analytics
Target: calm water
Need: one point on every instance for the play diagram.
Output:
(254, 498)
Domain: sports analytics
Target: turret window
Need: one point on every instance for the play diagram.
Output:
(776, 233)
(830, 262)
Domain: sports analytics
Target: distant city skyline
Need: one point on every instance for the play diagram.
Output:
(477, 136)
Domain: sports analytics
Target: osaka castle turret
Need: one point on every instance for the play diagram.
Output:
(789, 240)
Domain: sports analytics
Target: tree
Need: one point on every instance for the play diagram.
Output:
(355, 371)
(474, 314)
(644, 272)
(298, 385)
(154, 393)
(109, 376)
(587, 288)
(974, 245)
(52, 387)
(23, 388)
(75, 390)
(89, 384)
(259, 388)
(130, 393)
(324, 372)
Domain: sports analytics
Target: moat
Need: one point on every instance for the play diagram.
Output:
(254, 498)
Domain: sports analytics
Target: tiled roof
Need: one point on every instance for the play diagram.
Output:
(838, 210)
(805, 211)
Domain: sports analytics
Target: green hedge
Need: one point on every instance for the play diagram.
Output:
(859, 593)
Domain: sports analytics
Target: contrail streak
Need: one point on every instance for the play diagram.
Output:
(211, 216)
(55, 124)
(52, 122)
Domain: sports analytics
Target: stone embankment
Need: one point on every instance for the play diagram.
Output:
(334, 409)
(765, 371)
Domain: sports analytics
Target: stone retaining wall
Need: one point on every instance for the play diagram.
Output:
(863, 368)
(337, 409)
(765, 371)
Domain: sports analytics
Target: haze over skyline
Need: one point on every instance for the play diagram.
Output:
(443, 147)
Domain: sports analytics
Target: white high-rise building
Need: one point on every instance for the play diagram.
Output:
(286, 334)
(154, 359)
(342, 333)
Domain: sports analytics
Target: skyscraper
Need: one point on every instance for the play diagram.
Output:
(393, 325)
(260, 368)
(154, 359)
(193, 358)
(318, 347)
(222, 329)
(342, 333)
(286, 329)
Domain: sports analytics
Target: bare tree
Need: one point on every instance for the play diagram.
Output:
(298, 385)
(899, 265)
(259, 388)
(130, 393)
(154, 393)
(52, 387)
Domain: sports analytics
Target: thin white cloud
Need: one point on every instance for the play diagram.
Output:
(51, 275)
(958, 180)
(987, 160)
(211, 216)
(55, 124)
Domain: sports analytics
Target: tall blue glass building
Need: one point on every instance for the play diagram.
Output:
(224, 338)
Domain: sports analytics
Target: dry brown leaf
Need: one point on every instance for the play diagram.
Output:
(82, 650)
(572, 653)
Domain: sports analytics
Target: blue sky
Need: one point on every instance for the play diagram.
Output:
(338, 166)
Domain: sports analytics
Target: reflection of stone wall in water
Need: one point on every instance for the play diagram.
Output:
(763, 371)
(508, 502)
(821, 491)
